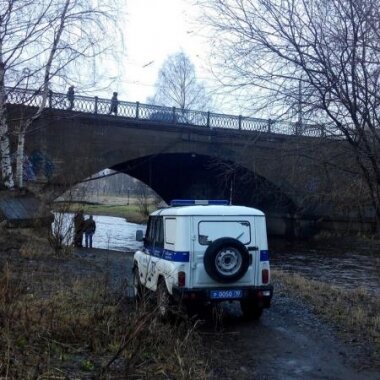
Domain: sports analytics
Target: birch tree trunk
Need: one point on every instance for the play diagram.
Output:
(47, 75)
(20, 159)
(39, 40)
(6, 166)
(5, 152)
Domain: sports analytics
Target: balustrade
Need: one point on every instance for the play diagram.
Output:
(159, 114)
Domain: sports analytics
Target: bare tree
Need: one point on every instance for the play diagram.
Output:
(319, 59)
(40, 44)
(177, 85)
(143, 195)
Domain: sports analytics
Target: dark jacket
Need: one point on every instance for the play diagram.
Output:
(78, 222)
(89, 226)
(70, 93)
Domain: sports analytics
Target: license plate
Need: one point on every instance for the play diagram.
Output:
(226, 294)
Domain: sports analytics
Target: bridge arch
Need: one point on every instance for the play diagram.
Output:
(192, 175)
(153, 157)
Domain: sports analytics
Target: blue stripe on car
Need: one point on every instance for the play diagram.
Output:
(264, 255)
(166, 254)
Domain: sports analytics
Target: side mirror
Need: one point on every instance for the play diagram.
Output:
(139, 235)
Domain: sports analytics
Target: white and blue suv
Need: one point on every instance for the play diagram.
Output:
(205, 251)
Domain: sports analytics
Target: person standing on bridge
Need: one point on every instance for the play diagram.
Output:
(70, 97)
(89, 230)
(114, 104)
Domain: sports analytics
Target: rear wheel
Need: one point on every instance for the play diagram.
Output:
(251, 311)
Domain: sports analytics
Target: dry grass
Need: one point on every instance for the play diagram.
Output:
(356, 313)
(87, 330)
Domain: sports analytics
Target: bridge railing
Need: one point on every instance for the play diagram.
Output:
(160, 114)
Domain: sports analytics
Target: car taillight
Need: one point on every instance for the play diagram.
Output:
(265, 276)
(181, 279)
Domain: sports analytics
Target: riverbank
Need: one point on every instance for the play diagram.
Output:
(339, 280)
(70, 317)
(354, 313)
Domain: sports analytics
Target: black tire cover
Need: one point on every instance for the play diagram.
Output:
(214, 248)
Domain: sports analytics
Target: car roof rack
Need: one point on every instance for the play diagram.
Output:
(199, 202)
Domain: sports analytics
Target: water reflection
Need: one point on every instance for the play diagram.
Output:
(111, 232)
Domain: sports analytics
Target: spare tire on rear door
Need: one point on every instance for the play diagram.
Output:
(226, 260)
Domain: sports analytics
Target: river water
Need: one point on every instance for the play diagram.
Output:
(345, 268)
(111, 232)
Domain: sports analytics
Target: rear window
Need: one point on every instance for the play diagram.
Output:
(208, 231)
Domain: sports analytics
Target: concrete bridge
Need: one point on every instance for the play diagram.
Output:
(278, 167)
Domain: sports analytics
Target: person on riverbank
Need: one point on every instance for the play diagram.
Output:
(89, 230)
(78, 229)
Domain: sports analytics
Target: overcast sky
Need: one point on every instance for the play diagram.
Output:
(155, 29)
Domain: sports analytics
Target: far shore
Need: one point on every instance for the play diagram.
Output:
(130, 212)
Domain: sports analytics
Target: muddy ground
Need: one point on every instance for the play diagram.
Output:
(289, 342)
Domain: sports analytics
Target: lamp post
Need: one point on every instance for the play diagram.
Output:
(25, 75)
(299, 128)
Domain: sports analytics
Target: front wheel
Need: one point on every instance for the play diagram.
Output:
(251, 311)
(137, 287)
(163, 301)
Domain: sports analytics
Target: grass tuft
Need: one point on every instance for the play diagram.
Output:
(87, 329)
(356, 313)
